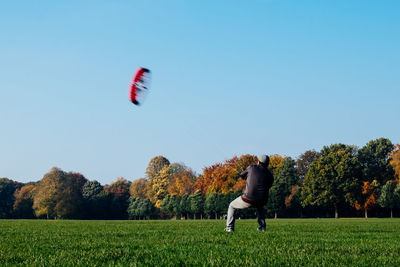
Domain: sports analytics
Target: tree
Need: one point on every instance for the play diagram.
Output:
(96, 201)
(395, 161)
(23, 202)
(118, 193)
(78, 179)
(304, 161)
(333, 179)
(182, 182)
(276, 199)
(275, 162)
(7, 189)
(184, 205)
(293, 201)
(57, 195)
(223, 177)
(284, 180)
(147, 208)
(388, 198)
(174, 206)
(374, 159)
(197, 203)
(140, 208)
(288, 174)
(156, 164)
(91, 189)
(223, 202)
(210, 204)
(158, 185)
(138, 188)
(164, 205)
(370, 191)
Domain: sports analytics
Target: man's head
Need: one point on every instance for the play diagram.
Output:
(263, 160)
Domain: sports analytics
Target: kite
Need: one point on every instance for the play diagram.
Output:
(140, 86)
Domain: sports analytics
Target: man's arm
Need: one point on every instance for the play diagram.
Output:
(244, 174)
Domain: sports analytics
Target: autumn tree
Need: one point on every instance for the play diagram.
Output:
(223, 177)
(23, 202)
(158, 185)
(78, 179)
(275, 162)
(370, 193)
(333, 179)
(293, 200)
(155, 165)
(182, 180)
(57, 196)
(374, 159)
(138, 188)
(395, 161)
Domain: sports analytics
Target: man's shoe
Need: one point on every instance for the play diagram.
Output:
(262, 229)
(229, 230)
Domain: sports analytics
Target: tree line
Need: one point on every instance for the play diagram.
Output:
(339, 180)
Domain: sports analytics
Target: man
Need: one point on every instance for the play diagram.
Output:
(259, 181)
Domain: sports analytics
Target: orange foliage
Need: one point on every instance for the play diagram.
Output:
(395, 161)
(288, 199)
(26, 192)
(182, 183)
(240, 185)
(369, 191)
(223, 177)
(119, 187)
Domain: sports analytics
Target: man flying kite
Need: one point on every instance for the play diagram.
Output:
(258, 182)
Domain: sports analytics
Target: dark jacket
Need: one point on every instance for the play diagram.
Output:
(258, 182)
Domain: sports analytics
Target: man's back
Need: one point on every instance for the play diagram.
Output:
(259, 181)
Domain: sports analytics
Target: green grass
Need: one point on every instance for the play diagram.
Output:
(287, 242)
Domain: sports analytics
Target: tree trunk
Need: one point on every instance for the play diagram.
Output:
(391, 213)
(336, 213)
(366, 213)
(276, 215)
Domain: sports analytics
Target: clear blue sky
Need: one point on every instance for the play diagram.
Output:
(229, 78)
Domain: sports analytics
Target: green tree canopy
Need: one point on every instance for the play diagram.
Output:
(197, 202)
(91, 189)
(374, 159)
(304, 161)
(332, 179)
(7, 189)
(388, 198)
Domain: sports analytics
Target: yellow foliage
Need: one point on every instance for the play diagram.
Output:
(395, 161)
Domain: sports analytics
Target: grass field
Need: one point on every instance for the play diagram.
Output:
(328, 242)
